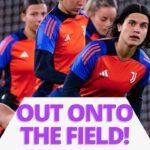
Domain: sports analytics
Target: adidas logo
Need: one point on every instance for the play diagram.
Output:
(67, 38)
(24, 55)
(104, 73)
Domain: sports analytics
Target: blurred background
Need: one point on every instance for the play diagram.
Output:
(9, 13)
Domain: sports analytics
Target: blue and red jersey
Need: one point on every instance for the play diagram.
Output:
(59, 39)
(17, 60)
(105, 74)
(63, 36)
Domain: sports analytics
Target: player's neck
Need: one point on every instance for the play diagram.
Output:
(62, 8)
(124, 51)
(29, 34)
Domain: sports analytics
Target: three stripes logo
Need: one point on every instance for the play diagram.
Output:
(104, 73)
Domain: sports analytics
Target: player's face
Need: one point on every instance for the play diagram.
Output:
(103, 19)
(34, 15)
(72, 6)
(134, 29)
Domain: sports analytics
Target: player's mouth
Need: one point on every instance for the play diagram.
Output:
(134, 37)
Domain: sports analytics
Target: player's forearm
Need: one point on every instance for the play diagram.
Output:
(72, 85)
(134, 97)
(6, 114)
(44, 68)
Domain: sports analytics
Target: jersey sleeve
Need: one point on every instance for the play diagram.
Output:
(144, 59)
(134, 97)
(5, 50)
(47, 34)
(86, 60)
(72, 85)
(135, 94)
(44, 68)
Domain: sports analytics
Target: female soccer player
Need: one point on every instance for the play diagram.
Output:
(17, 56)
(102, 14)
(115, 67)
(17, 60)
(60, 37)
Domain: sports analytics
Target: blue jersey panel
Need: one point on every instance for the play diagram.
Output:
(50, 28)
(86, 60)
(143, 58)
(5, 49)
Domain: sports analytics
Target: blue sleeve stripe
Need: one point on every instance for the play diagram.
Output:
(50, 27)
(5, 43)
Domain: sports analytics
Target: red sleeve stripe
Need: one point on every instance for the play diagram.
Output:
(49, 29)
(5, 43)
(91, 54)
(52, 30)
(89, 50)
(47, 25)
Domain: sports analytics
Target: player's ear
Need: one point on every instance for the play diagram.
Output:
(23, 17)
(119, 27)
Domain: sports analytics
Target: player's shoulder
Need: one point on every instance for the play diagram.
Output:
(11, 39)
(50, 19)
(102, 42)
(95, 48)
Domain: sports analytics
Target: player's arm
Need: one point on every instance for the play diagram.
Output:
(81, 70)
(44, 89)
(135, 94)
(45, 48)
(5, 58)
(134, 97)
(72, 85)
(44, 68)
(6, 113)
